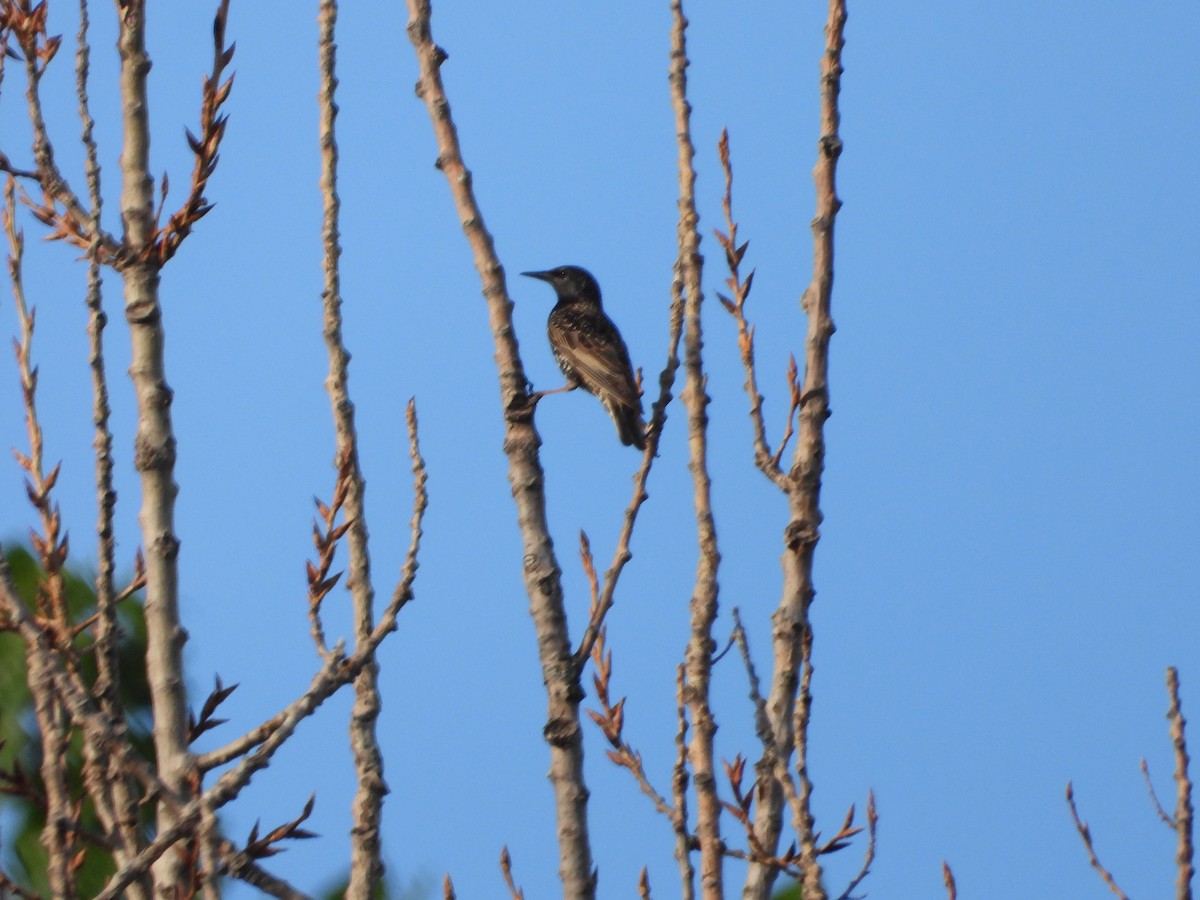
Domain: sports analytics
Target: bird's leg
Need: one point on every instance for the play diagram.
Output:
(538, 395)
(522, 406)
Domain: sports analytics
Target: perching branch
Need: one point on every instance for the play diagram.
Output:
(542, 575)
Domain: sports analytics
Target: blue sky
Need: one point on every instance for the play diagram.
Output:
(1008, 558)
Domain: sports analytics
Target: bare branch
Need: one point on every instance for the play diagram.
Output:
(1183, 786)
(700, 646)
(542, 575)
(10, 888)
(1086, 834)
(1158, 807)
(658, 417)
(57, 835)
(206, 147)
(869, 856)
(611, 719)
(789, 699)
(772, 767)
(679, 786)
(337, 671)
(244, 869)
(506, 867)
(736, 306)
(948, 880)
(124, 823)
(73, 223)
(366, 860)
(387, 622)
(403, 592)
(155, 445)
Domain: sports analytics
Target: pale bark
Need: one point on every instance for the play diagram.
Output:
(366, 859)
(1184, 812)
(542, 575)
(698, 658)
(154, 453)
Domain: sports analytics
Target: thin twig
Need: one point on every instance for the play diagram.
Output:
(9, 888)
(403, 591)
(679, 786)
(243, 868)
(28, 23)
(205, 148)
(772, 768)
(869, 855)
(506, 867)
(736, 306)
(948, 880)
(57, 838)
(1158, 807)
(611, 719)
(1086, 834)
(126, 828)
(658, 417)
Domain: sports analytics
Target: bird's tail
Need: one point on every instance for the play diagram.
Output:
(630, 427)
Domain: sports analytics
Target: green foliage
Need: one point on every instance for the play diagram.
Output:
(20, 753)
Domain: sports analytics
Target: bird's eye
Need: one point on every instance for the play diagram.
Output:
(561, 273)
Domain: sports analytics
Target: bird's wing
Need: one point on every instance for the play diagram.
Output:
(594, 349)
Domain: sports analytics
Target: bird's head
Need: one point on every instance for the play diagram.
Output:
(571, 283)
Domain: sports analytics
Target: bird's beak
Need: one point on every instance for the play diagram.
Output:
(540, 276)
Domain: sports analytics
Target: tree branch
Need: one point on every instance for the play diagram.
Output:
(1086, 834)
(155, 447)
(704, 598)
(542, 575)
(366, 858)
(1184, 814)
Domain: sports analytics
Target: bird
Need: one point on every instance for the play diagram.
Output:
(590, 351)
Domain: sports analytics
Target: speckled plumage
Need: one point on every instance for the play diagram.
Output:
(590, 351)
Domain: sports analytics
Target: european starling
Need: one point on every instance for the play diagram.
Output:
(590, 351)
